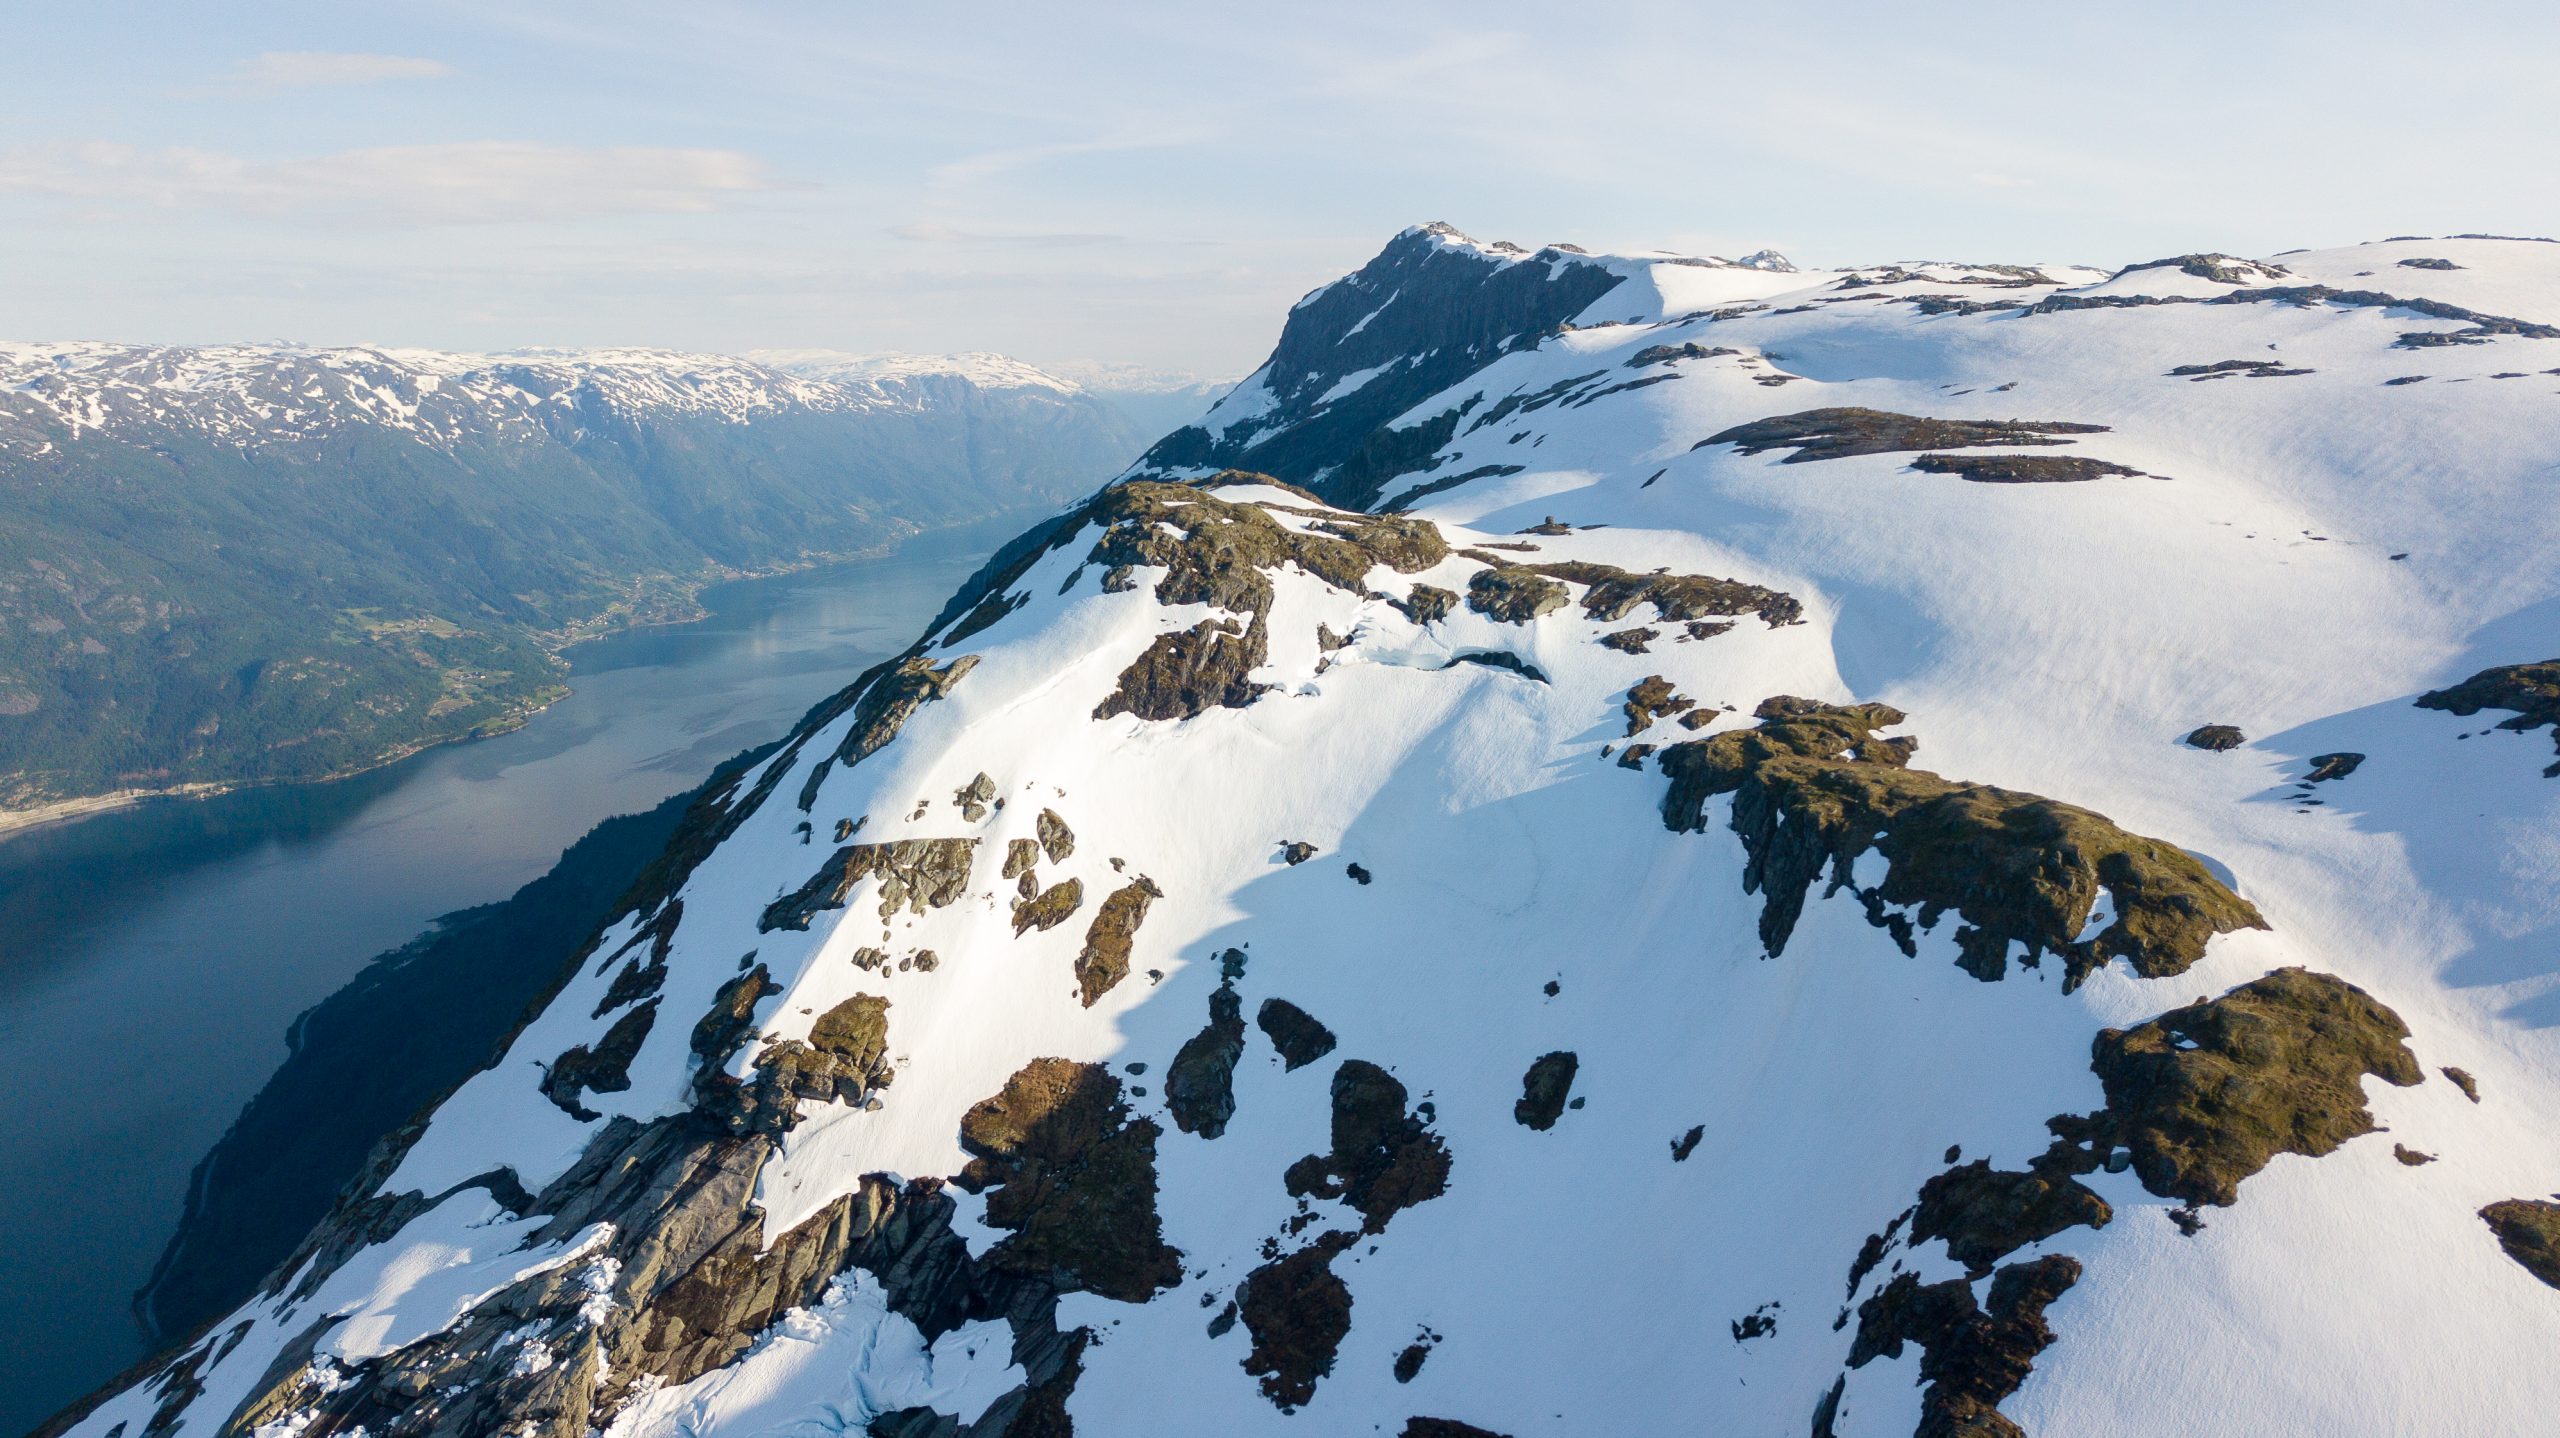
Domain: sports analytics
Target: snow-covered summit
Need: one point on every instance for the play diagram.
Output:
(1940, 849)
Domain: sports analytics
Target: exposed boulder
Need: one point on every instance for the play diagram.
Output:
(1056, 839)
(2214, 738)
(1294, 1032)
(1048, 908)
(1543, 1090)
(2024, 468)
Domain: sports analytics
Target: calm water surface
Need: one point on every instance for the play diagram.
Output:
(151, 959)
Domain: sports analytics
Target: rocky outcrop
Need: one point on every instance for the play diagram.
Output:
(1056, 839)
(1072, 1178)
(1649, 699)
(604, 1068)
(1219, 553)
(1189, 672)
(845, 1059)
(1104, 960)
(1814, 786)
(1046, 909)
(1841, 432)
(1518, 593)
(2214, 738)
(1973, 1354)
(2024, 468)
(2528, 1229)
(1199, 1086)
(915, 873)
(2204, 1096)
(2532, 691)
(1384, 1159)
(1297, 1311)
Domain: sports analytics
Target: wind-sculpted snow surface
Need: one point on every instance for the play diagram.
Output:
(1241, 971)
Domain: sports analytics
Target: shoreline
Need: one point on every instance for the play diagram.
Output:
(16, 823)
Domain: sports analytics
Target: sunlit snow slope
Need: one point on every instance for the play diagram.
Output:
(1269, 964)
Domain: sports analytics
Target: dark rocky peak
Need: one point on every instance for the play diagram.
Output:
(1431, 309)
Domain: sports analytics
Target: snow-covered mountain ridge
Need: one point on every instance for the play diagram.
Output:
(1940, 849)
(280, 393)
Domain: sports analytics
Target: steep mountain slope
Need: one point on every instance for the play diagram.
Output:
(258, 562)
(1940, 849)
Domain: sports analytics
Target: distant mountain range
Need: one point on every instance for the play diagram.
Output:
(250, 563)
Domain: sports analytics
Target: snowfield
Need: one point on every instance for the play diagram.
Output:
(2344, 520)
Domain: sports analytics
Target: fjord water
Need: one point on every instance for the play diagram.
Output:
(152, 959)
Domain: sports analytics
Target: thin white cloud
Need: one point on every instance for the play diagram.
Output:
(973, 169)
(482, 182)
(313, 69)
(932, 233)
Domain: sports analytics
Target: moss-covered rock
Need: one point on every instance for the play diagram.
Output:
(1298, 1310)
(2208, 1094)
(1428, 603)
(1384, 1159)
(1844, 431)
(1187, 673)
(1199, 1086)
(1543, 1090)
(1294, 1032)
(916, 873)
(1611, 594)
(1815, 787)
(1073, 1178)
(2529, 1230)
(1104, 960)
(1509, 594)
(1048, 908)
(2531, 690)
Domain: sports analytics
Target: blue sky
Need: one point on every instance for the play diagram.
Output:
(1156, 183)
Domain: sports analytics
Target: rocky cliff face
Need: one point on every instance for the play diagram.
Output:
(1691, 798)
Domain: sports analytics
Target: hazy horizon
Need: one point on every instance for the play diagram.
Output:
(1137, 186)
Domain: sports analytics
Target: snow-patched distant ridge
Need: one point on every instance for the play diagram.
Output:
(245, 393)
